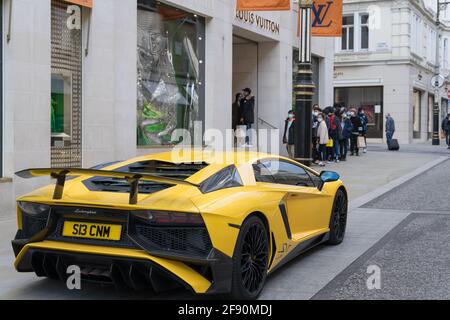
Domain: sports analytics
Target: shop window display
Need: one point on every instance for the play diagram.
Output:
(170, 71)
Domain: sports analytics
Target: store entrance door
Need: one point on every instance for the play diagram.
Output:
(368, 98)
(245, 75)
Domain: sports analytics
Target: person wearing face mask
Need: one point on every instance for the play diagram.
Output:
(335, 133)
(356, 132)
(364, 122)
(288, 136)
(315, 125)
(390, 128)
(347, 129)
(322, 134)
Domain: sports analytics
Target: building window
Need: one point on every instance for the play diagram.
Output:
(416, 34)
(65, 102)
(431, 45)
(430, 116)
(425, 41)
(417, 97)
(171, 67)
(348, 30)
(364, 27)
(445, 54)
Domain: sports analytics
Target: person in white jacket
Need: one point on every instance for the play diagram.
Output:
(322, 134)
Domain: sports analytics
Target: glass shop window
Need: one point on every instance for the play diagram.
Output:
(171, 67)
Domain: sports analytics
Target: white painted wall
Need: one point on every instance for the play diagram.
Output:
(26, 96)
(109, 83)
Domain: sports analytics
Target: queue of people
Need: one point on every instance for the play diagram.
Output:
(336, 132)
(340, 132)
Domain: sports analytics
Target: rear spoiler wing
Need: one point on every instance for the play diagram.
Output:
(60, 174)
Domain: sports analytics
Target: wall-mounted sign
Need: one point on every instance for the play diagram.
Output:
(381, 46)
(264, 5)
(261, 22)
(377, 108)
(437, 81)
(83, 3)
(327, 20)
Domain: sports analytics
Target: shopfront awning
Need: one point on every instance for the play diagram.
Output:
(83, 3)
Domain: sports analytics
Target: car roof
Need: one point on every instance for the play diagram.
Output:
(215, 161)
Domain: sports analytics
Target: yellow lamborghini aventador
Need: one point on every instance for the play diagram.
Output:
(214, 223)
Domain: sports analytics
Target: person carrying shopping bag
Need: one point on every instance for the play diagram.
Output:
(356, 132)
(323, 138)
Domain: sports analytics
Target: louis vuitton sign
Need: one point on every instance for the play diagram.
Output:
(259, 21)
(83, 3)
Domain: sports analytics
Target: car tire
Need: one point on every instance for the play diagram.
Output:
(338, 221)
(250, 260)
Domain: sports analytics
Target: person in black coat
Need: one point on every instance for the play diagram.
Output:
(335, 132)
(247, 111)
(288, 136)
(356, 132)
(445, 126)
(347, 128)
(235, 111)
(364, 122)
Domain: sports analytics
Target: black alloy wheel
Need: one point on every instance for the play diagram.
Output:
(250, 260)
(338, 221)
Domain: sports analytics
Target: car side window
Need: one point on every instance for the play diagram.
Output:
(288, 173)
(262, 174)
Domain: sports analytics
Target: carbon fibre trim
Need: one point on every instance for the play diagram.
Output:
(302, 248)
(117, 271)
(284, 215)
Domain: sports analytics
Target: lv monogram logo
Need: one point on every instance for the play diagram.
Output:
(320, 14)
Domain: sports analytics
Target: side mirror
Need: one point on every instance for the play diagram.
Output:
(328, 176)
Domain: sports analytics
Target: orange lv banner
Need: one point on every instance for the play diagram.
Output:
(83, 3)
(263, 5)
(327, 18)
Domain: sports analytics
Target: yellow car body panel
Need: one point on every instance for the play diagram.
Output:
(223, 211)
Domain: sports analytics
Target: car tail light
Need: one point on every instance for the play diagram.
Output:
(170, 218)
(33, 209)
(34, 218)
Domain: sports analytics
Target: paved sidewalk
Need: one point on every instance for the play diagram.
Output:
(378, 167)
(366, 178)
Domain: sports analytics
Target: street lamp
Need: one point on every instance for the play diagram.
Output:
(441, 5)
(304, 87)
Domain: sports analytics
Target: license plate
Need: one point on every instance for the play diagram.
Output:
(92, 230)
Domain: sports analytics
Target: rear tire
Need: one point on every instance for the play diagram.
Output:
(250, 260)
(338, 221)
